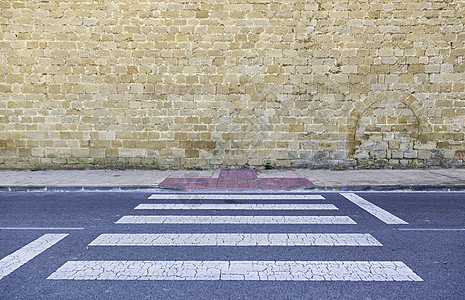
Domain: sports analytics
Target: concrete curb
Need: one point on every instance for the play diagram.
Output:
(30, 188)
(148, 188)
(388, 188)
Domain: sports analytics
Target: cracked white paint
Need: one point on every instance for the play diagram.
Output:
(376, 211)
(235, 220)
(240, 206)
(11, 262)
(237, 239)
(236, 270)
(235, 197)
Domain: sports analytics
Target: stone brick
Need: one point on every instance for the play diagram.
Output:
(191, 153)
(436, 78)
(5, 88)
(201, 14)
(41, 13)
(296, 128)
(416, 69)
(411, 154)
(460, 154)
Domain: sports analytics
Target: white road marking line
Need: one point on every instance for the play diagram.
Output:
(431, 229)
(234, 196)
(376, 211)
(21, 256)
(237, 239)
(235, 220)
(236, 270)
(41, 228)
(240, 206)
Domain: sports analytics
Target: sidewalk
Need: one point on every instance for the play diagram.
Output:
(233, 179)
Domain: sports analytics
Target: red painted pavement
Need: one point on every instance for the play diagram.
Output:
(236, 180)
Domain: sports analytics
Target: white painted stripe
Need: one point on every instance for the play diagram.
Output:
(237, 239)
(21, 256)
(235, 220)
(240, 206)
(41, 228)
(431, 229)
(376, 211)
(237, 270)
(234, 196)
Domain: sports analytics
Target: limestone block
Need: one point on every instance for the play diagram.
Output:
(378, 154)
(429, 145)
(296, 128)
(410, 154)
(375, 145)
(41, 13)
(362, 154)
(437, 78)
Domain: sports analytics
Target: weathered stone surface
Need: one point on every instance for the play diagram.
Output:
(233, 83)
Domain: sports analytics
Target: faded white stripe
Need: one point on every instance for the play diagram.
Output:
(41, 228)
(237, 239)
(235, 220)
(431, 229)
(21, 256)
(237, 270)
(376, 211)
(235, 196)
(240, 206)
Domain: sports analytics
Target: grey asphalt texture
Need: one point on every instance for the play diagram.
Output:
(436, 256)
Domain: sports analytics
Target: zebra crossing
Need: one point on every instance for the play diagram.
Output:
(257, 270)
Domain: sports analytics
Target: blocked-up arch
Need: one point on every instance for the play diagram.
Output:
(384, 132)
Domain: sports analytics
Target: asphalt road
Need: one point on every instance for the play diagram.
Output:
(431, 245)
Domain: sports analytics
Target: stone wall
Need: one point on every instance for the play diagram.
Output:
(232, 83)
